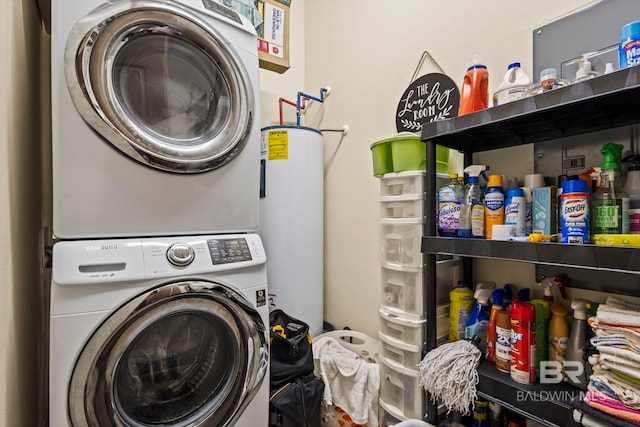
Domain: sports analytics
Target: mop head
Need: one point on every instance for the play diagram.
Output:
(449, 374)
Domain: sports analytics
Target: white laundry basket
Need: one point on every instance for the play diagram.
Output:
(363, 345)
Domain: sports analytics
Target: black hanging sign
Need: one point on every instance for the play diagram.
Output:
(429, 98)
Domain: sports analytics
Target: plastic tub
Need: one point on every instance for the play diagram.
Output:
(403, 184)
(404, 206)
(382, 162)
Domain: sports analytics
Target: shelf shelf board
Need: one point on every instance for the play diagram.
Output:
(549, 404)
(600, 103)
(604, 258)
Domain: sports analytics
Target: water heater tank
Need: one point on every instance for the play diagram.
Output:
(291, 220)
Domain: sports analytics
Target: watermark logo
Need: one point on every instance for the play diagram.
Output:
(553, 372)
(549, 396)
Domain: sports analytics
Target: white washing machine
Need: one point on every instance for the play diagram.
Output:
(155, 119)
(159, 332)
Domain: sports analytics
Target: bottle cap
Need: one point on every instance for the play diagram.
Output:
(495, 181)
(513, 65)
(515, 192)
(559, 309)
(523, 311)
(579, 307)
(612, 156)
(630, 29)
(548, 76)
(497, 297)
(453, 176)
(575, 186)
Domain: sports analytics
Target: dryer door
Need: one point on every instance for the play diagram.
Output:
(161, 84)
(183, 354)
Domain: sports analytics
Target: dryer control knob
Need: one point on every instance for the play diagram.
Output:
(180, 254)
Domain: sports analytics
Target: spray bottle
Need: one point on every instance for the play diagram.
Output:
(543, 314)
(472, 210)
(497, 304)
(449, 201)
(479, 318)
(610, 201)
(558, 333)
(554, 282)
(632, 187)
(577, 337)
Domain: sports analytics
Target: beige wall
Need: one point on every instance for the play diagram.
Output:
(367, 52)
(20, 206)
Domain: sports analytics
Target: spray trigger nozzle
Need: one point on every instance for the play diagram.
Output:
(557, 281)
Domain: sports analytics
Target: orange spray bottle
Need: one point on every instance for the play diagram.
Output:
(474, 95)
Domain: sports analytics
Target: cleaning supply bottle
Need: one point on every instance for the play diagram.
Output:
(610, 202)
(472, 209)
(474, 94)
(632, 188)
(584, 69)
(493, 204)
(513, 86)
(479, 318)
(503, 341)
(460, 306)
(497, 304)
(629, 47)
(575, 224)
(577, 337)
(543, 314)
(558, 333)
(523, 342)
(508, 295)
(515, 210)
(449, 203)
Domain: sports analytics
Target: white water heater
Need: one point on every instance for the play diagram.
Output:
(291, 220)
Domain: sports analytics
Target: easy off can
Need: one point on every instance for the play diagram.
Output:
(523, 342)
(574, 212)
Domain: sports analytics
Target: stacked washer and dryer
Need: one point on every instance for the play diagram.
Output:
(158, 303)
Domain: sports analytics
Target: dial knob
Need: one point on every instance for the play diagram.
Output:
(180, 254)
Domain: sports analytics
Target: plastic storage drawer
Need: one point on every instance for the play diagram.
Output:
(402, 287)
(399, 389)
(406, 206)
(402, 329)
(402, 183)
(401, 239)
(388, 415)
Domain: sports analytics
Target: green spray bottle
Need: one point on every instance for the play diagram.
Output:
(610, 202)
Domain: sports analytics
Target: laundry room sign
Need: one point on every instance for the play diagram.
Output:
(429, 98)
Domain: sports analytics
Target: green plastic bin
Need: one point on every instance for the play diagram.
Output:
(405, 152)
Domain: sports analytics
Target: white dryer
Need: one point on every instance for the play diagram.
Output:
(159, 332)
(155, 118)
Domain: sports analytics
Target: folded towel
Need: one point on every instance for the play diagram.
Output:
(602, 416)
(351, 382)
(625, 391)
(617, 311)
(618, 413)
(618, 303)
(598, 363)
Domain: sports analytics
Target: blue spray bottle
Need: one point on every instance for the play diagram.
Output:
(478, 320)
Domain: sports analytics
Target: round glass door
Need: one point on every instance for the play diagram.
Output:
(181, 355)
(160, 84)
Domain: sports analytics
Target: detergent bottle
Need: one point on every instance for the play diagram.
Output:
(558, 333)
(513, 86)
(610, 202)
(632, 187)
(449, 202)
(460, 306)
(493, 204)
(474, 94)
(577, 337)
(478, 320)
(497, 304)
(471, 222)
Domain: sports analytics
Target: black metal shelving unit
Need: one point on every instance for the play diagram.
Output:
(604, 102)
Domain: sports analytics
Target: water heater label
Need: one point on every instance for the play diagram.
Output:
(278, 145)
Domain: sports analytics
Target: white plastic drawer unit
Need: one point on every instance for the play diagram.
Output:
(402, 329)
(402, 183)
(399, 389)
(400, 240)
(402, 287)
(404, 206)
(409, 355)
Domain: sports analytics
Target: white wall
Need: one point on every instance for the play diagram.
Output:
(367, 52)
(20, 207)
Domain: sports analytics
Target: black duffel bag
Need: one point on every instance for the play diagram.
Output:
(291, 352)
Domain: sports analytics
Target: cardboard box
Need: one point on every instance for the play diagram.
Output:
(544, 210)
(273, 35)
(271, 21)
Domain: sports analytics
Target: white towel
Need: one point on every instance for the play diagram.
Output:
(617, 311)
(350, 382)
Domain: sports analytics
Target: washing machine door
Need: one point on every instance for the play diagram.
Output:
(161, 84)
(183, 354)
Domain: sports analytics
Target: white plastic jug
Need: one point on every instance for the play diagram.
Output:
(513, 86)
